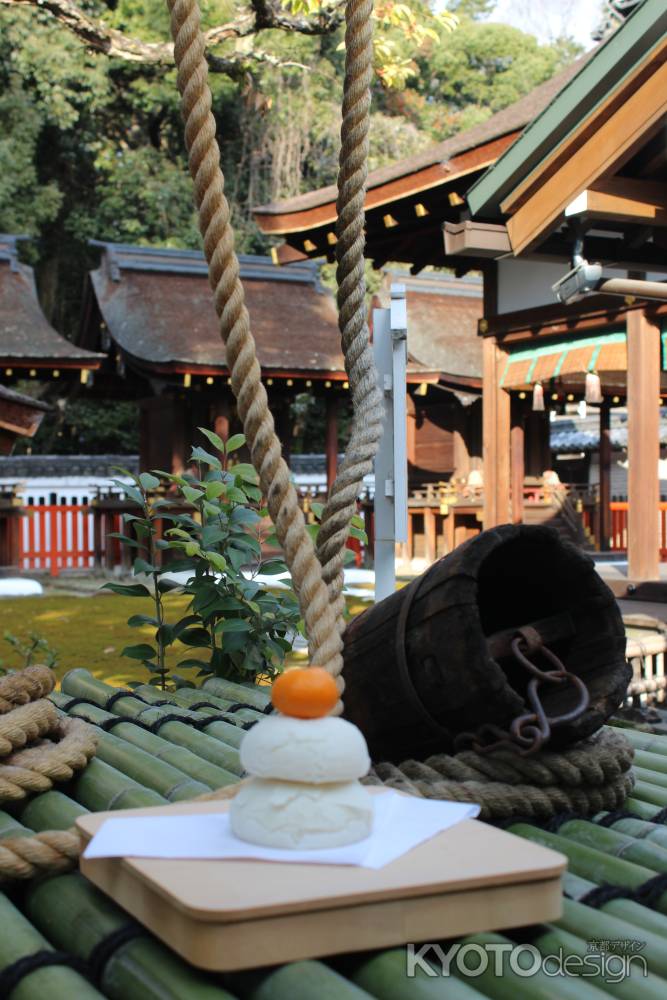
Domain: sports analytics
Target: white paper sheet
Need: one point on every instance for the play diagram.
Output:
(400, 823)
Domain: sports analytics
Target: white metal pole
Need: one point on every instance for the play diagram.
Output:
(391, 480)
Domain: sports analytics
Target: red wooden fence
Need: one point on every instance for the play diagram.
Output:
(56, 537)
(619, 527)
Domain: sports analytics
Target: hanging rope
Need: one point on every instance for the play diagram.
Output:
(367, 405)
(214, 223)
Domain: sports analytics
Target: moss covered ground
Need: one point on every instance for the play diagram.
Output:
(91, 632)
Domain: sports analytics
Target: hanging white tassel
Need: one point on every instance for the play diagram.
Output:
(538, 397)
(593, 388)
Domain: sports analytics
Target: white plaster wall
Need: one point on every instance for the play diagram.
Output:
(524, 284)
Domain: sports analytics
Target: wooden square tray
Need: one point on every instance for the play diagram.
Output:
(230, 915)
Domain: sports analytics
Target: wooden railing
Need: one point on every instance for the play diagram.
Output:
(56, 537)
(619, 527)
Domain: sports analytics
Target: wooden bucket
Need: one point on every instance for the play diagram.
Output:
(433, 661)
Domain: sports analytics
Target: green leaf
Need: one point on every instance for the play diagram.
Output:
(244, 515)
(233, 625)
(140, 652)
(190, 494)
(192, 549)
(317, 509)
(236, 495)
(184, 623)
(211, 510)
(358, 533)
(131, 542)
(214, 490)
(235, 442)
(273, 567)
(195, 637)
(245, 471)
(136, 621)
(216, 560)
(164, 586)
(200, 455)
(128, 590)
(214, 438)
(141, 566)
(254, 493)
(193, 663)
(148, 481)
(357, 521)
(134, 494)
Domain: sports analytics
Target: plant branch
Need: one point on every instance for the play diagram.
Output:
(263, 15)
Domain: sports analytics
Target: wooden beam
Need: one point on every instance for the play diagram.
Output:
(604, 529)
(331, 438)
(617, 138)
(495, 433)
(518, 460)
(643, 334)
(622, 199)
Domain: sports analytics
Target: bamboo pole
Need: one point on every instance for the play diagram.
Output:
(20, 940)
(209, 745)
(635, 986)
(383, 975)
(255, 695)
(176, 698)
(169, 781)
(616, 843)
(642, 809)
(500, 981)
(645, 741)
(648, 792)
(580, 920)
(76, 917)
(100, 787)
(180, 757)
(307, 980)
(51, 811)
(650, 776)
(642, 830)
(625, 909)
(603, 869)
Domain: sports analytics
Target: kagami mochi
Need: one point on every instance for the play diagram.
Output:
(304, 790)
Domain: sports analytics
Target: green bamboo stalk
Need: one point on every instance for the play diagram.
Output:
(296, 981)
(76, 917)
(153, 696)
(652, 777)
(648, 792)
(635, 987)
(618, 844)
(625, 909)
(20, 940)
(590, 863)
(174, 784)
(10, 827)
(100, 787)
(650, 742)
(51, 811)
(383, 975)
(178, 756)
(642, 830)
(651, 761)
(502, 982)
(645, 810)
(256, 695)
(209, 745)
(585, 923)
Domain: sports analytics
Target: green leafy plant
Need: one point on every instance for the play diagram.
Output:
(212, 525)
(35, 647)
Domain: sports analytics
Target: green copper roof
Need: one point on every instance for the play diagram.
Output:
(599, 76)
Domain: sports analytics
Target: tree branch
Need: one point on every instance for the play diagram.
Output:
(264, 15)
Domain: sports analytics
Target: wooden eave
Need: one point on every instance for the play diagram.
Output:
(584, 164)
(594, 313)
(60, 364)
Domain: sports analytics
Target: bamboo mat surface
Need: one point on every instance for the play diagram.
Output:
(66, 941)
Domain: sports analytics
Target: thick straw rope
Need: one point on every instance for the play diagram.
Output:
(214, 222)
(368, 409)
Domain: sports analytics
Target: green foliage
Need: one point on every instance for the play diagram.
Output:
(34, 648)
(87, 427)
(211, 525)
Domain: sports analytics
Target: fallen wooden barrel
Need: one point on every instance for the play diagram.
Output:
(435, 666)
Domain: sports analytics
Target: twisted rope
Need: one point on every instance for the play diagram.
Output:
(28, 685)
(216, 230)
(591, 776)
(368, 408)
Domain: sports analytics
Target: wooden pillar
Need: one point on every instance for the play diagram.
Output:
(518, 459)
(643, 335)
(331, 437)
(460, 435)
(495, 437)
(430, 535)
(604, 530)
